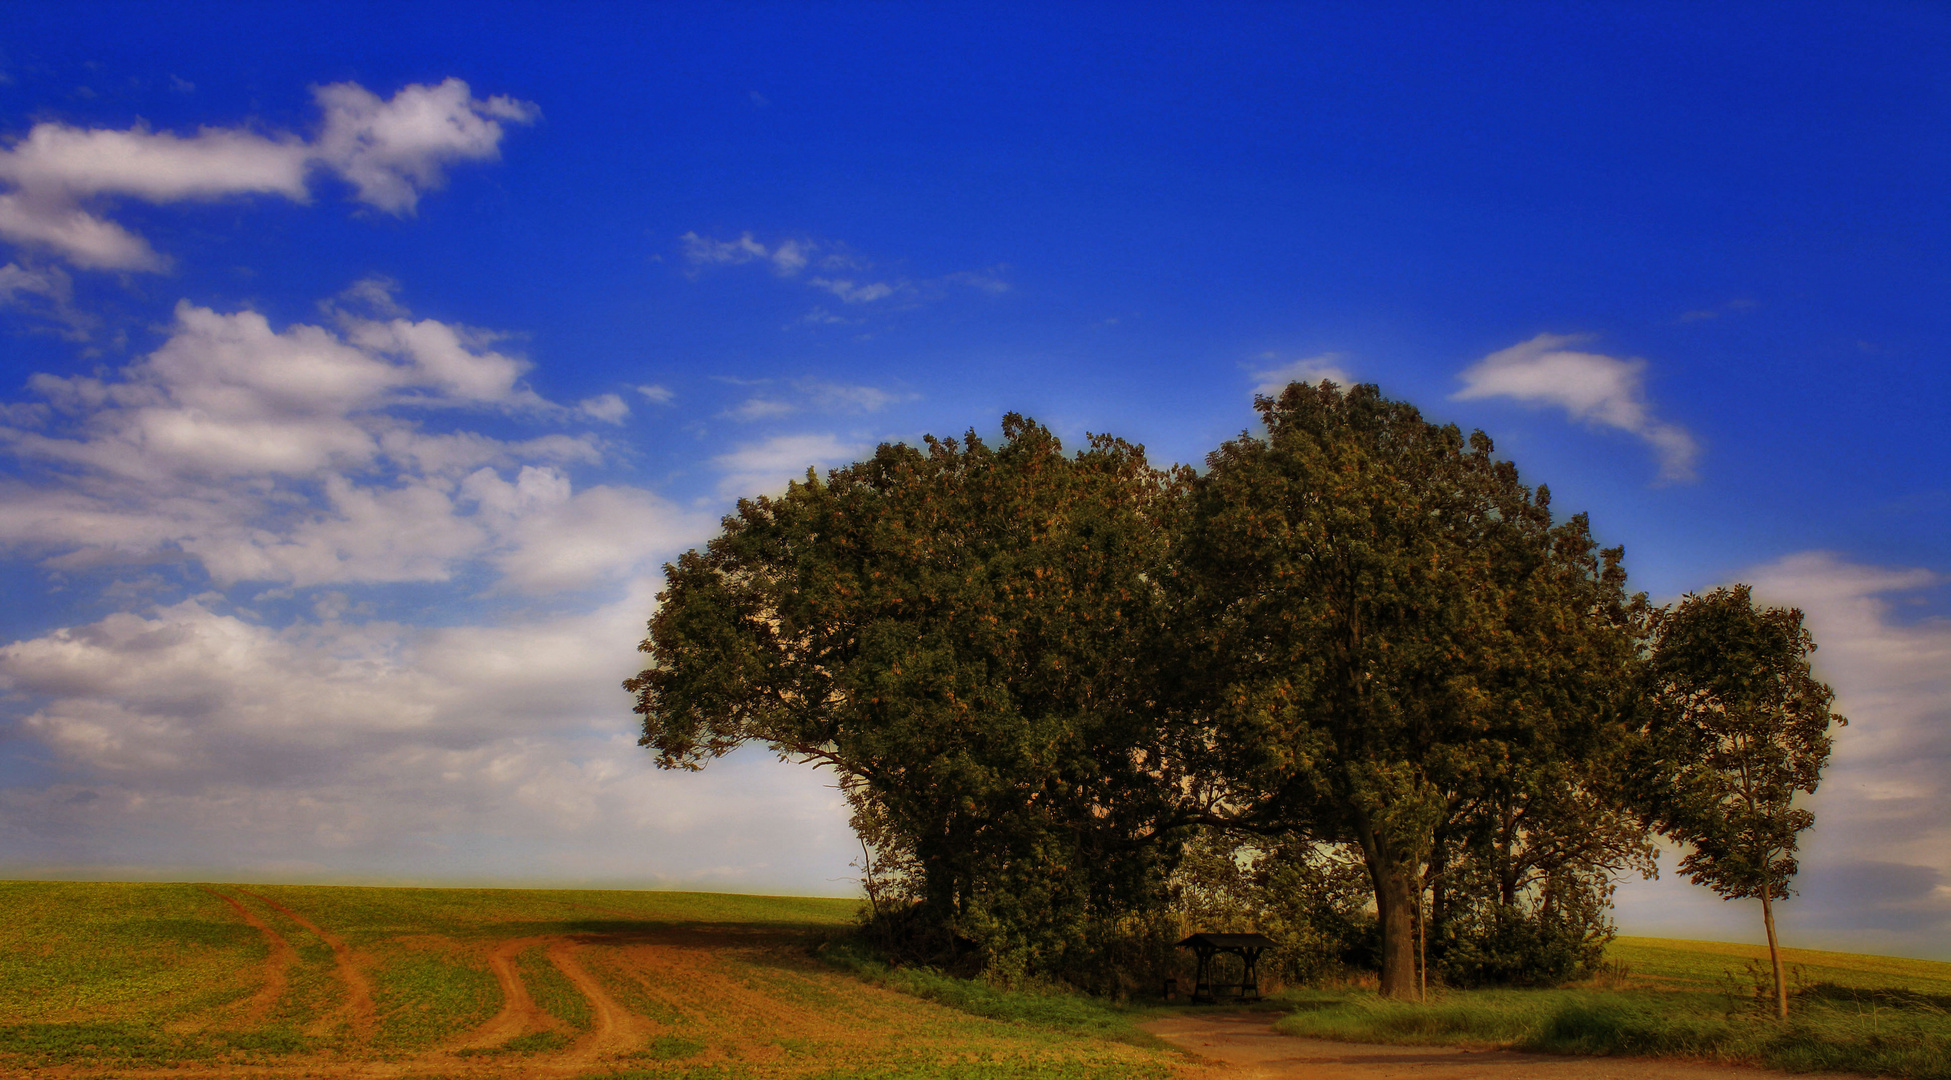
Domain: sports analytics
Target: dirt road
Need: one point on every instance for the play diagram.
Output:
(1248, 1044)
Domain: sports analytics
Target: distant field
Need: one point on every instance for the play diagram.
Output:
(1700, 965)
(114, 978)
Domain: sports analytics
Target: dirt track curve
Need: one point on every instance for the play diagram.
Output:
(358, 1011)
(277, 965)
(1248, 1044)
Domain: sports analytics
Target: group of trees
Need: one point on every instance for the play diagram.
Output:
(1064, 693)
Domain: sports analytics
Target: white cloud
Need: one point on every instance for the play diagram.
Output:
(600, 533)
(76, 235)
(657, 395)
(394, 150)
(390, 151)
(299, 456)
(1310, 370)
(1592, 387)
(765, 467)
(157, 166)
(608, 408)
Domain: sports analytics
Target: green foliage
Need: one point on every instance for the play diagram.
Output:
(552, 991)
(137, 953)
(1514, 947)
(423, 995)
(121, 1044)
(673, 1048)
(1311, 899)
(1047, 1007)
(1396, 648)
(1841, 1036)
(966, 634)
(1741, 725)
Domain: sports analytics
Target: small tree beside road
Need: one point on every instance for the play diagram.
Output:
(1739, 725)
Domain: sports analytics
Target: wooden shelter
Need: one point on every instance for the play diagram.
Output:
(1208, 947)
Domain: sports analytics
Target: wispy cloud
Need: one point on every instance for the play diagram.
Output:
(836, 269)
(817, 395)
(390, 151)
(1592, 387)
(1311, 370)
(762, 467)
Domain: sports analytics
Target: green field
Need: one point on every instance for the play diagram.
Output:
(100, 979)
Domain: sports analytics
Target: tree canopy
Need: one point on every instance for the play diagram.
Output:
(1395, 642)
(968, 636)
(1356, 643)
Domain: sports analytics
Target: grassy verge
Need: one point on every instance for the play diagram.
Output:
(1891, 1035)
(1053, 1009)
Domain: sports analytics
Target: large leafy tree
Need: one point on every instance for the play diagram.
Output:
(967, 636)
(1384, 629)
(1739, 725)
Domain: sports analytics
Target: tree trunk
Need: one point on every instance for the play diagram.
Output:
(1775, 957)
(1395, 899)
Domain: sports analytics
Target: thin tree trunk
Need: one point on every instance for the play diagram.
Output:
(1394, 914)
(1774, 957)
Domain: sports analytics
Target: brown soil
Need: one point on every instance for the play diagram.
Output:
(357, 1012)
(1252, 1050)
(277, 964)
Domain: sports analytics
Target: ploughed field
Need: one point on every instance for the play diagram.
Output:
(176, 980)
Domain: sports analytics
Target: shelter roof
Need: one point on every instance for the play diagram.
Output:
(1228, 941)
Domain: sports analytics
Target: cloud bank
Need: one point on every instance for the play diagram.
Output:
(1592, 387)
(312, 455)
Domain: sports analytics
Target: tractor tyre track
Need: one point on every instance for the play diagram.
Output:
(615, 1029)
(358, 1009)
(277, 964)
(519, 1013)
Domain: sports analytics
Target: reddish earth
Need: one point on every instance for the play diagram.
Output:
(1249, 1048)
(277, 965)
(357, 1012)
(518, 1012)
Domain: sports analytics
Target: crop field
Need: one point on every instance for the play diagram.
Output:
(261, 980)
(191, 980)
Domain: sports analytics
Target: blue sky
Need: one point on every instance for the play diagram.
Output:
(360, 366)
